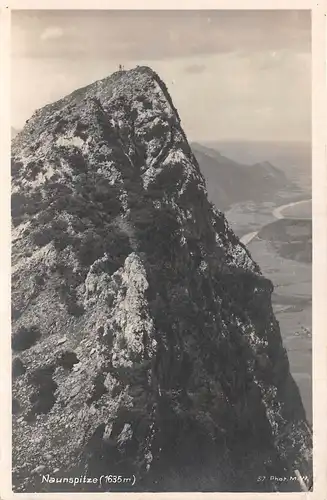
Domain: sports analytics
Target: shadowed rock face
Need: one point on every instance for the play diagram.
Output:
(144, 328)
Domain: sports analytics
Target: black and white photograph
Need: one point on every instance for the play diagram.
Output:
(161, 251)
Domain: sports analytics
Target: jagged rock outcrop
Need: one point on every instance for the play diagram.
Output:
(143, 336)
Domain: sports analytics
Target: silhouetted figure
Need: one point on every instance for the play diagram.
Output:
(120, 67)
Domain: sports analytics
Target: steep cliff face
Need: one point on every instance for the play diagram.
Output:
(144, 341)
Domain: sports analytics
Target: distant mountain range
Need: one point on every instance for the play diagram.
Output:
(229, 182)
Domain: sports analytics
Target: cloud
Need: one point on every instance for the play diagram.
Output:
(52, 33)
(125, 35)
(266, 112)
(195, 68)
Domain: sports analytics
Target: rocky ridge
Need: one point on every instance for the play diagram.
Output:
(143, 335)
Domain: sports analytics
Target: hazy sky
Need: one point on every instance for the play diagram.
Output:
(233, 75)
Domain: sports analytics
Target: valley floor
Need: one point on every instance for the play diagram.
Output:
(292, 297)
